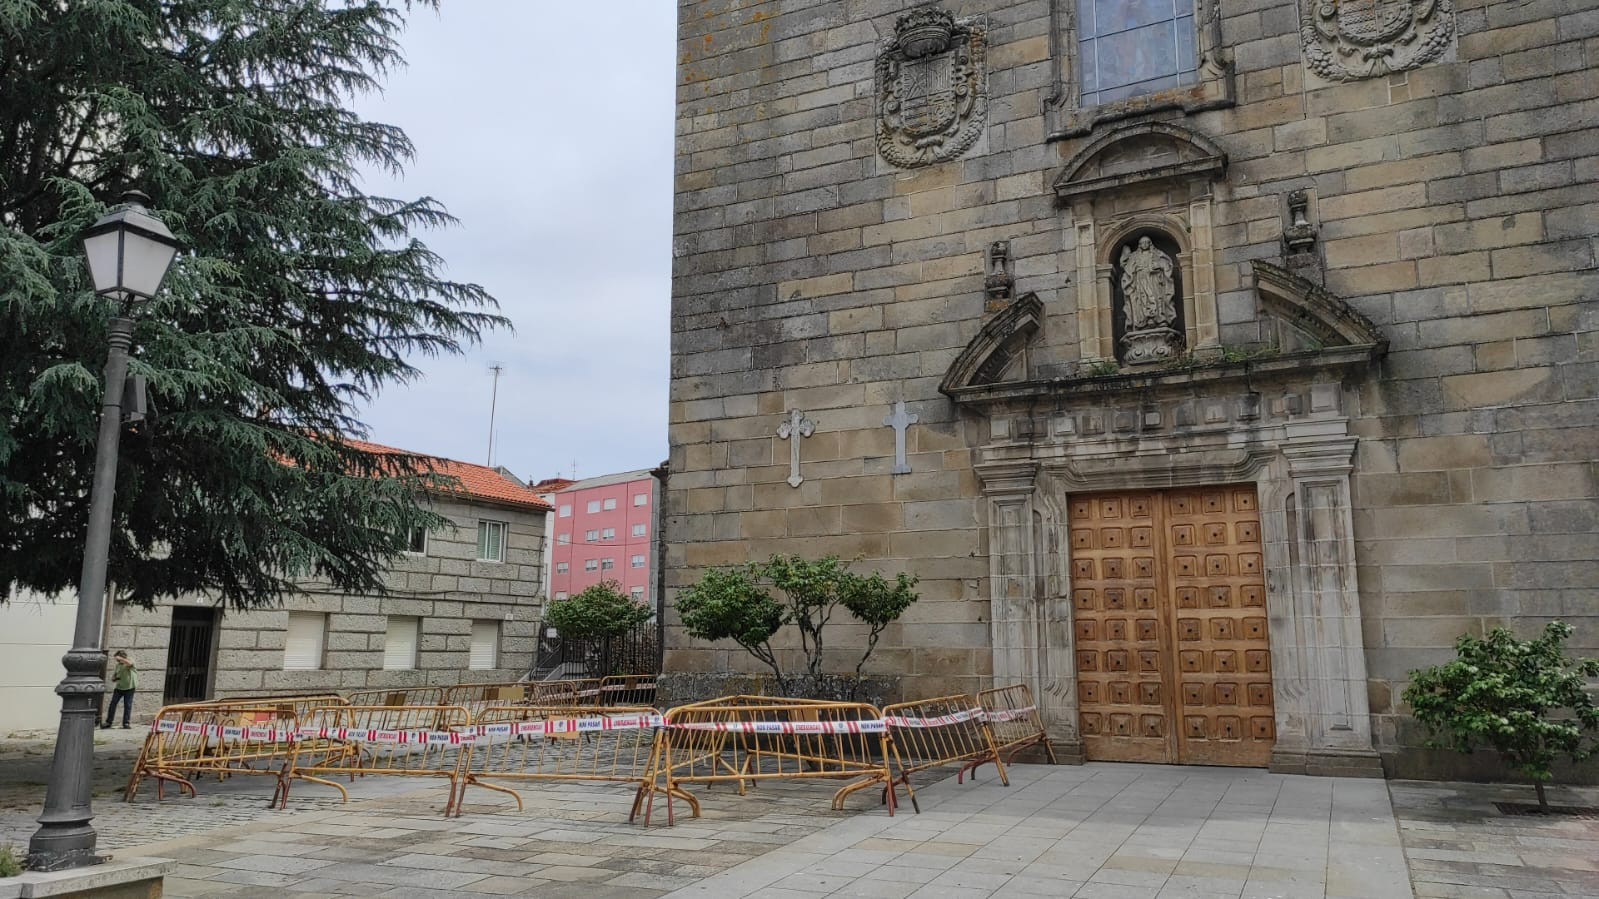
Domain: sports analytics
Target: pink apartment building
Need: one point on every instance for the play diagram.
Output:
(602, 529)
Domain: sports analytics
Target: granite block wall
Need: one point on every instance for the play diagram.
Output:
(1456, 205)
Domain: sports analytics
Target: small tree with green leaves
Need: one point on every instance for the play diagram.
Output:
(601, 612)
(1524, 698)
(737, 604)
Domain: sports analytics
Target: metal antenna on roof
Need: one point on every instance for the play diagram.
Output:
(494, 402)
(574, 469)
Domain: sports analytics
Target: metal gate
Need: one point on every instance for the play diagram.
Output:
(1169, 618)
(189, 651)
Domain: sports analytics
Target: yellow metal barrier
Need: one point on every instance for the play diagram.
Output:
(191, 741)
(931, 733)
(1014, 721)
(753, 738)
(396, 696)
(628, 690)
(587, 743)
(406, 741)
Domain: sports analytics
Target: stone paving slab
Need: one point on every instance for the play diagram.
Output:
(1460, 846)
(1101, 831)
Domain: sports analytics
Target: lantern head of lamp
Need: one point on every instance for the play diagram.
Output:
(129, 251)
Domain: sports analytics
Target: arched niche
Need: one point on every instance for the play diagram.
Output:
(1169, 170)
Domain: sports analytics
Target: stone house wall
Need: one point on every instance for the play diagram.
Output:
(1454, 204)
(447, 589)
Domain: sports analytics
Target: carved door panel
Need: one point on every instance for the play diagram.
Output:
(1168, 610)
(1218, 585)
(1123, 664)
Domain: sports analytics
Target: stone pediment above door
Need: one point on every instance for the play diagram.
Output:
(1142, 154)
(1305, 330)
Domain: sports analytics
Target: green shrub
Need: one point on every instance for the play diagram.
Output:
(1524, 698)
(600, 612)
(736, 604)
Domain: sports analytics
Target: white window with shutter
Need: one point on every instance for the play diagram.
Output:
(491, 541)
(302, 650)
(485, 646)
(399, 644)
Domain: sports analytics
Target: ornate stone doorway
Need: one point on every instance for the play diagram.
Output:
(1168, 598)
(1276, 421)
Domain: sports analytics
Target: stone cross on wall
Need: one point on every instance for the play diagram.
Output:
(792, 430)
(899, 420)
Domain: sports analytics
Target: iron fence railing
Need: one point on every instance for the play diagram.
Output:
(636, 652)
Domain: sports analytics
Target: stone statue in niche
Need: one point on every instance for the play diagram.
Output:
(1149, 307)
(1349, 39)
(932, 88)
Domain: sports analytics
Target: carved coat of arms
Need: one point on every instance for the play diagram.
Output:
(1349, 39)
(932, 88)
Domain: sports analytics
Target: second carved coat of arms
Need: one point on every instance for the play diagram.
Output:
(1347, 39)
(932, 88)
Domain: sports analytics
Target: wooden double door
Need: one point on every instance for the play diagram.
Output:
(1169, 617)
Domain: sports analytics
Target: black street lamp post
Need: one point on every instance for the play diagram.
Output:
(129, 252)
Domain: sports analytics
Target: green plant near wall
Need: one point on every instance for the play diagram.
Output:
(736, 603)
(9, 865)
(1246, 354)
(1526, 699)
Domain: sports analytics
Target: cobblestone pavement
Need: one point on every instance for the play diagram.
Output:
(1459, 846)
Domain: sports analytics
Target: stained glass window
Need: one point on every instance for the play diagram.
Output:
(1131, 47)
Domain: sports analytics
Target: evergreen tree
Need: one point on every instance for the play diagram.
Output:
(299, 295)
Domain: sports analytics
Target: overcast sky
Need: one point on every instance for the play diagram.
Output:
(547, 129)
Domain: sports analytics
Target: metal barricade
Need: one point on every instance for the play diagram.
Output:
(931, 733)
(396, 696)
(225, 739)
(628, 690)
(587, 690)
(406, 741)
(563, 742)
(1014, 721)
(477, 697)
(754, 738)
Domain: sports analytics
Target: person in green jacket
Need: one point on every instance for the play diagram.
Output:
(124, 680)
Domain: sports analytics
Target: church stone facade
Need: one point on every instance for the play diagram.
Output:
(1212, 366)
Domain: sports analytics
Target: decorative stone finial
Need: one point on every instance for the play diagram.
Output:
(1299, 238)
(999, 283)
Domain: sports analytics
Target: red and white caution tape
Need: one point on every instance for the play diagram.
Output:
(785, 727)
(1003, 715)
(936, 720)
(558, 726)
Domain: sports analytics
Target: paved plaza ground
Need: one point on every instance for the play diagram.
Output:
(1098, 831)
